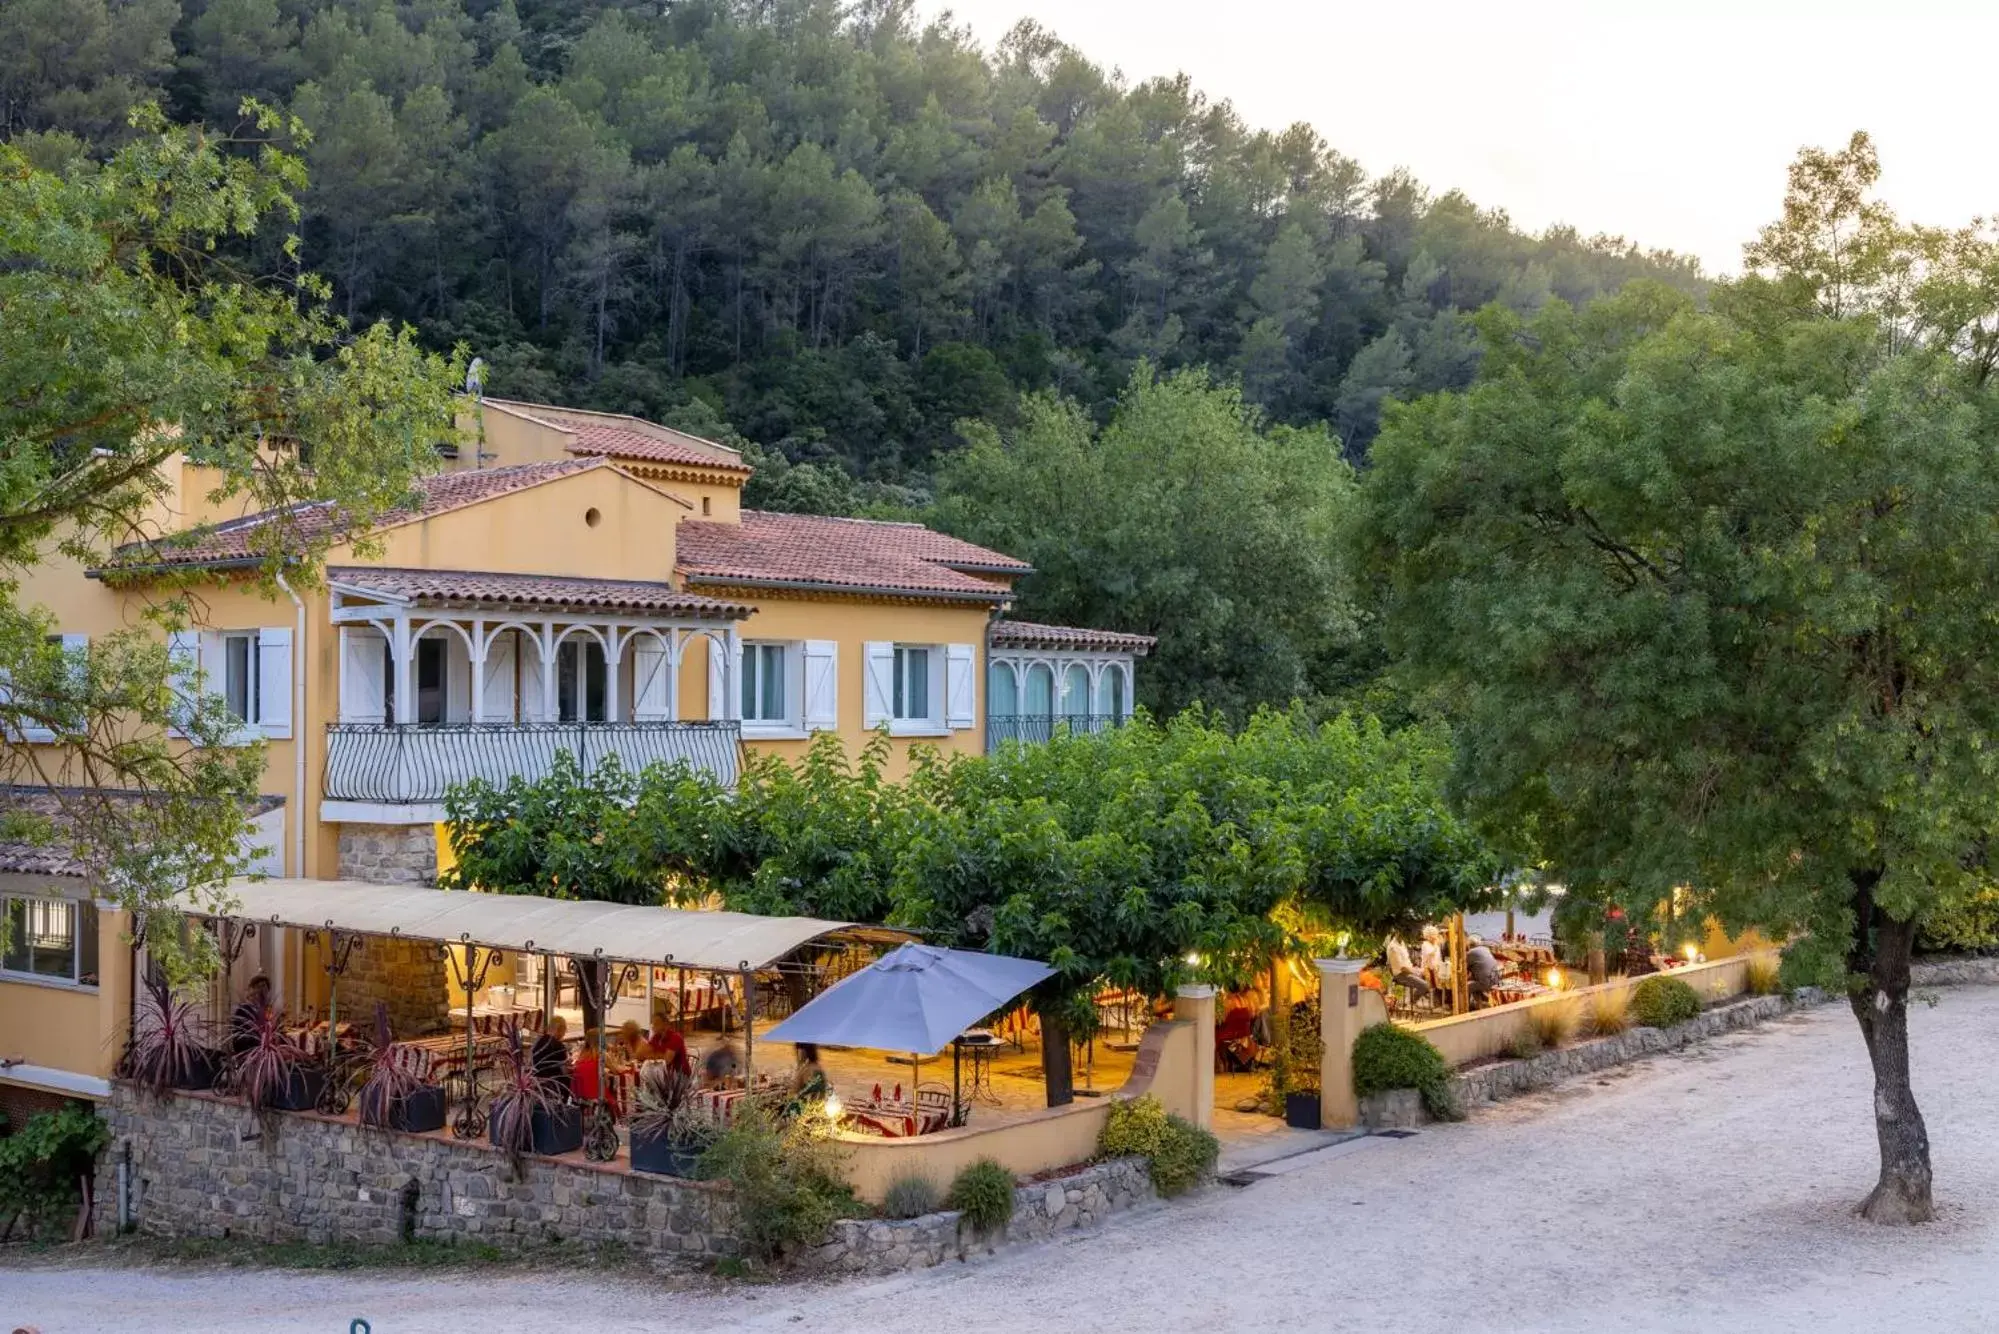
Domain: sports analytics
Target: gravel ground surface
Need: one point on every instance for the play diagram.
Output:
(1706, 1190)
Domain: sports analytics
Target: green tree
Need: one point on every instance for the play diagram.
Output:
(1169, 521)
(1706, 594)
(133, 328)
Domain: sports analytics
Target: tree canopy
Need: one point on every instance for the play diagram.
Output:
(133, 329)
(1706, 594)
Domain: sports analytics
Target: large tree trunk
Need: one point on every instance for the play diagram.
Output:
(1880, 954)
(1057, 1070)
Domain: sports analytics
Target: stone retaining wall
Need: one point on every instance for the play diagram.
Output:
(1040, 1210)
(389, 854)
(1943, 971)
(406, 975)
(316, 1179)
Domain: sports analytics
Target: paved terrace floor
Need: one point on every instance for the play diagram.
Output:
(1708, 1190)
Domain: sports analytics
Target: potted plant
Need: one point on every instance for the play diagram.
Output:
(1294, 1073)
(530, 1114)
(668, 1134)
(272, 1072)
(169, 1048)
(393, 1096)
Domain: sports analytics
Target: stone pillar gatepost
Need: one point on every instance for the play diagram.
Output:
(1341, 1018)
(1195, 1003)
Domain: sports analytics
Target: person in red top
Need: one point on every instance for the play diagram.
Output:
(668, 1045)
(583, 1077)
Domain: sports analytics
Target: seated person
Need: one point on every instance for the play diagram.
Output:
(721, 1066)
(585, 1082)
(666, 1044)
(247, 1019)
(808, 1081)
(1430, 959)
(631, 1048)
(1481, 971)
(1402, 969)
(1235, 1044)
(549, 1057)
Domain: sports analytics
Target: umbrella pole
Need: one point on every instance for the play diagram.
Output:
(957, 1058)
(749, 1030)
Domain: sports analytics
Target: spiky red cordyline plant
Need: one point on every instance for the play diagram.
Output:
(522, 1093)
(169, 1039)
(265, 1066)
(389, 1082)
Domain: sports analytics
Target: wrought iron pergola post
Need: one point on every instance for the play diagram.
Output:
(595, 987)
(340, 949)
(470, 975)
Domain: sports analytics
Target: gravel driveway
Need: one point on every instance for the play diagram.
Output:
(1702, 1191)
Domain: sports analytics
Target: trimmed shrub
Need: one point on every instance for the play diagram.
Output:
(1609, 1012)
(983, 1195)
(1389, 1057)
(1178, 1154)
(1967, 923)
(910, 1196)
(787, 1181)
(1660, 1002)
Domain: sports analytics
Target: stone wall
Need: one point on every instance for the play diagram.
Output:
(1943, 970)
(389, 854)
(408, 975)
(1041, 1210)
(316, 1179)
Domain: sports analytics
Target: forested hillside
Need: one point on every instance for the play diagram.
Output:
(1003, 290)
(840, 228)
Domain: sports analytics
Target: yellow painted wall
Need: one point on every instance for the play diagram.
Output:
(852, 624)
(80, 1029)
(545, 530)
(1470, 1037)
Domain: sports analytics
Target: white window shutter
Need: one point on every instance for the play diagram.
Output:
(651, 672)
(274, 681)
(534, 684)
(498, 685)
(878, 667)
(364, 684)
(183, 672)
(725, 690)
(960, 694)
(822, 685)
(457, 679)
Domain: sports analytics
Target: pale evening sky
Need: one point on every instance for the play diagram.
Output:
(1668, 124)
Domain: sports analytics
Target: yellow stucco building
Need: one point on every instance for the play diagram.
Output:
(572, 581)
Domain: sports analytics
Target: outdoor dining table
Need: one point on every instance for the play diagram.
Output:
(897, 1120)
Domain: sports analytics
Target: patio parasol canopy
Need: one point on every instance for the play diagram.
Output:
(916, 998)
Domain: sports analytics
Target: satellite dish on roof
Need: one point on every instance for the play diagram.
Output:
(475, 378)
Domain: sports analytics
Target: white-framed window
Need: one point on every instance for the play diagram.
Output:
(238, 675)
(768, 693)
(911, 693)
(1110, 691)
(53, 940)
(75, 650)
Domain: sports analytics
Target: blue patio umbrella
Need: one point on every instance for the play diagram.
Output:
(916, 998)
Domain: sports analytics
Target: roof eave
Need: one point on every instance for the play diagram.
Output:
(997, 595)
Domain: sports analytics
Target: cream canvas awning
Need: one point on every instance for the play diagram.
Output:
(682, 938)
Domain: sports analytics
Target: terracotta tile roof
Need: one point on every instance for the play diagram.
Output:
(1027, 634)
(622, 437)
(234, 540)
(526, 591)
(861, 555)
(57, 856)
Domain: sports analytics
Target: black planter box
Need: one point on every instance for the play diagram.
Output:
(301, 1090)
(660, 1155)
(419, 1113)
(1301, 1111)
(204, 1071)
(555, 1132)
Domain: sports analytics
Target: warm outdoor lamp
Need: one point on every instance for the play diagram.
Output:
(1555, 978)
(833, 1108)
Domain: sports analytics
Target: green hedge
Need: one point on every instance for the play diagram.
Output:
(1660, 1002)
(1179, 1155)
(1969, 923)
(983, 1196)
(1387, 1057)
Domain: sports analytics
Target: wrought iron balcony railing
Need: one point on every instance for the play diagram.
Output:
(1033, 728)
(408, 762)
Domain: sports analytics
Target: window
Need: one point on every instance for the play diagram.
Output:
(1110, 692)
(239, 676)
(1002, 691)
(430, 658)
(580, 682)
(1040, 691)
(765, 690)
(1076, 692)
(912, 685)
(51, 938)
